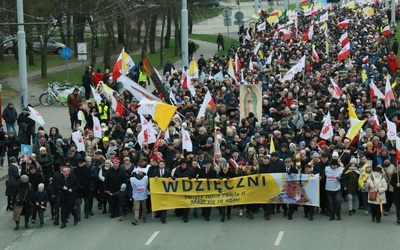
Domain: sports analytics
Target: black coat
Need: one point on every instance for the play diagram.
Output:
(157, 173)
(11, 146)
(181, 173)
(13, 178)
(10, 115)
(229, 174)
(114, 179)
(71, 182)
(211, 174)
(84, 176)
(266, 169)
(35, 179)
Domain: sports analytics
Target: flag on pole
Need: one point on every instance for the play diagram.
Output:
(262, 26)
(36, 116)
(386, 31)
(344, 39)
(123, 64)
(391, 129)
(351, 5)
(78, 139)
(238, 65)
(115, 104)
(344, 53)
(337, 92)
(148, 69)
(186, 141)
(96, 94)
(315, 55)
(343, 24)
(327, 128)
(269, 59)
(148, 133)
(354, 129)
(136, 90)
(187, 83)
(350, 108)
(96, 127)
(193, 70)
(162, 113)
(376, 122)
(208, 103)
(324, 17)
(374, 91)
(388, 92)
(397, 148)
(271, 144)
(231, 71)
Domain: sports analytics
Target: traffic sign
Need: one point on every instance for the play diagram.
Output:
(66, 53)
(239, 16)
(227, 22)
(226, 13)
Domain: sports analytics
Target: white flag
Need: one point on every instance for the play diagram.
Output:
(327, 129)
(34, 115)
(269, 59)
(186, 141)
(257, 48)
(96, 95)
(323, 18)
(148, 133)
(78, 139)
(391, 129)
(96, 127)
(262, 26)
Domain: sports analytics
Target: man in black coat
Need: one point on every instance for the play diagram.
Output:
(288, 169)
(266, 168)
(183, 171)
(114, 178)
(34, 179)
(207, 173)
(84, 175)
(57, 181)
(161, 172)
(67, 188)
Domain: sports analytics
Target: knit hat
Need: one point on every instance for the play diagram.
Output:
(335, 154)
(12, 160)
(108, 161)
(41, 186)
(370, 144)
(123, 186)
(353, 160)
(88, 159)
(24, 178)
(116, 160)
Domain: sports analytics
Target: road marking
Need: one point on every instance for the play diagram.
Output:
(279, 238)
(148, 242)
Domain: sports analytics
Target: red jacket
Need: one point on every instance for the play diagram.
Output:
(97, 77)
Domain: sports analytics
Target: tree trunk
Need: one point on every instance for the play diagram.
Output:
(69, 33)
(152, 34)
(146, 36)
(139, 32)
(121, 30)
(178, 48)
(162, 42)
(168, 33)
(93, 27)
(79, 28)
(109, 43)
(29, 46)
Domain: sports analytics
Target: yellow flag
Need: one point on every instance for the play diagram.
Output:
(272, 145)
(354, 129)
(324, 26)
(394, 84)
(352, 113)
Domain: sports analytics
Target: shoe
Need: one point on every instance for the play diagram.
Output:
(104, 211)
(26, 225)
(366, 212)
(378, 221)
(267, 217)
(195, 214)
(91, 213)
(144, 220)
(350, 212)
(338, 217)
(354, 211)
(311, 218)
(284, 213)
(386, 213)
(86, 216)
(63, 226)
(120, 218)
(240, 212)
(56, 223)
(33, 221)
(290, 217)
(76, 222)
(373, 219)
(332, 218)
(16, 227)
(251, 216)
(207, 219)
(163, 221)
(185, 220)
(228, 217)
(222, 219)
(135, 222)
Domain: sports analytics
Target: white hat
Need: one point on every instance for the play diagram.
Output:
(335, 154)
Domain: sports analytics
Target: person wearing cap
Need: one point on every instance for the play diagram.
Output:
(12, 181)
(207, 173)
(40, 201)
(83, 173)
(10, 117)
(102, 194)
(112, 183)
(350, 184)
(73, 100)
(334, 177)
(23, 196)
(122, 197)
(183, 171)
(377, 183)
(140, 191)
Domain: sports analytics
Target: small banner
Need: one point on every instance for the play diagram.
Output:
(281, 188)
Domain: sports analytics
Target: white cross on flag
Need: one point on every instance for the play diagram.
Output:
(78, 139)
(186, 141)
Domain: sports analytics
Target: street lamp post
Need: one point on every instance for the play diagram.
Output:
(184, 35)
(23, 78)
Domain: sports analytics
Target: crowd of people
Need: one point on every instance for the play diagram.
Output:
(114, 170)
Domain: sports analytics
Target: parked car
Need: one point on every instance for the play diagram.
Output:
(207, 3)
(52, 46)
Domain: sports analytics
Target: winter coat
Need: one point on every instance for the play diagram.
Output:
(13, 178)
(10, 115)
(11, 146)
(84, 176)
(46, 161)
(376, 182)
(351, 180)
(24, 192)
(113, 179)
